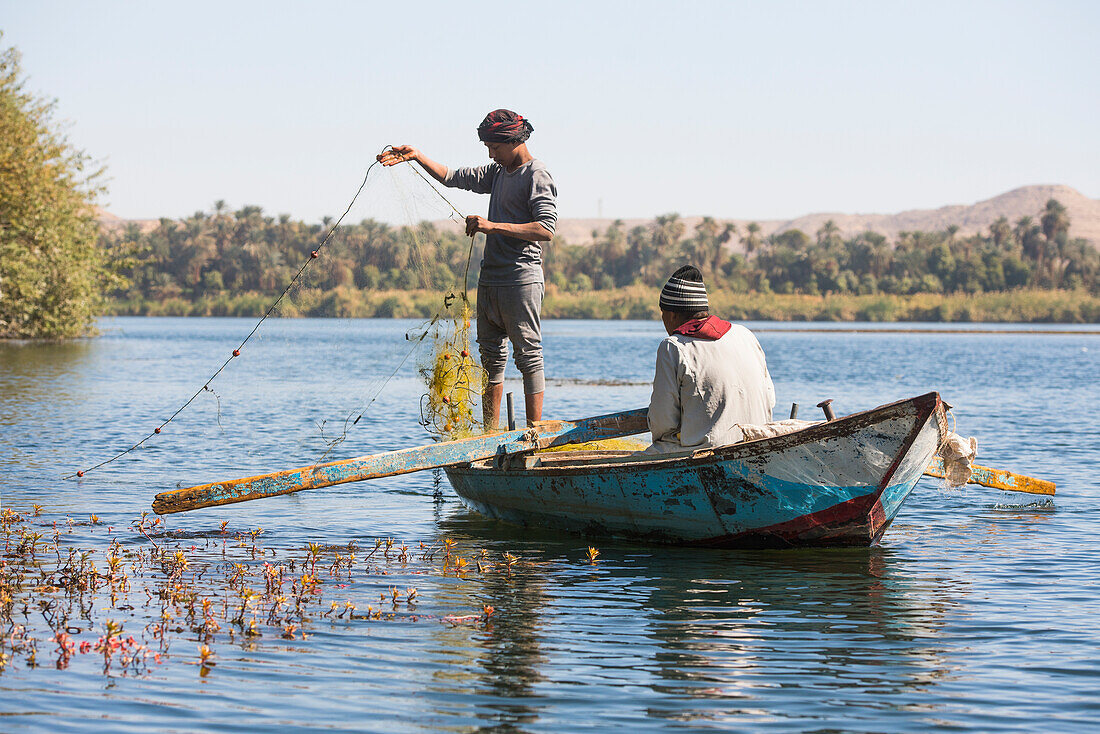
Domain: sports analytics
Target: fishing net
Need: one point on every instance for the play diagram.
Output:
(432, 271)
(454, 380)
(309, 378)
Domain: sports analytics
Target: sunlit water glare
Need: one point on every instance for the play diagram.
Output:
(979, 610)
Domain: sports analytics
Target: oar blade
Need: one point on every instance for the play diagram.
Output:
(997, 479)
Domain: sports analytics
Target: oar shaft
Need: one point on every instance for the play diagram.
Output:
(997, 479)
(403, 461)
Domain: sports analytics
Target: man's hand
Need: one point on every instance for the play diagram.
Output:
(398, 154)
(476, 223)
(404, 153)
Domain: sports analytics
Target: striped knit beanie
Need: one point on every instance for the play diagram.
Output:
(684, 292)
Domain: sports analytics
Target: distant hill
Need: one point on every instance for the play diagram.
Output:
(111, 222)
(1084, 214)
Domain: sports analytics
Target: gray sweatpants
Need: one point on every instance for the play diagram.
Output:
(511, 312)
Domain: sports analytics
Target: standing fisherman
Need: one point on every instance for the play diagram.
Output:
(522, 214)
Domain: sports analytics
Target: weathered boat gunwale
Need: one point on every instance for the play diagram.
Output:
(926, 405)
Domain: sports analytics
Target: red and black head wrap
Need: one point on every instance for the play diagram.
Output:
(504, 126)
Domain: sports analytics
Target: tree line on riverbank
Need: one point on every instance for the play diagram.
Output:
(59, 268)
(226, 262)
(640, 302)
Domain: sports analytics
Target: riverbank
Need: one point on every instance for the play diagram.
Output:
(640, 302)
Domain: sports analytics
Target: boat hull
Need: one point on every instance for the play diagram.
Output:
(836, 483)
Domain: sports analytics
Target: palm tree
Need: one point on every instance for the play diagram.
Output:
(881, 254)
(665, 234)
(1054, 220)
(828, 234)
(1022, 229)
(611, 251)
(718, 259)
(199, 247)
(751, 240)
(1000, 231)
(1033, 245)
(703, 244)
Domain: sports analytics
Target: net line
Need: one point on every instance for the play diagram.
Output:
(452, 377)
(294, 282)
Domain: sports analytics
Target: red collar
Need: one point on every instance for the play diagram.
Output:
(711, 328)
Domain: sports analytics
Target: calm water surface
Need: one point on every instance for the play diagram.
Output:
(979, 610)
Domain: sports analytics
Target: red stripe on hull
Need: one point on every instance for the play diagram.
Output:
(858, 521)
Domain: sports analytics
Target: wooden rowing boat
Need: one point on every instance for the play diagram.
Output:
(835, 483)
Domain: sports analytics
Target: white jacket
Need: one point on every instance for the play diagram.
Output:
(702, 389)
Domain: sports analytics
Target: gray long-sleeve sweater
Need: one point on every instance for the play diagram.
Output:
(527, 194)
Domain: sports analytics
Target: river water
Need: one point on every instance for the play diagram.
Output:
(979, 610)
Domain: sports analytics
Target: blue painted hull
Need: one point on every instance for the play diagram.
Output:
(836, 483)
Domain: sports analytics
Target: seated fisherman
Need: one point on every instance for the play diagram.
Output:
(711, 374)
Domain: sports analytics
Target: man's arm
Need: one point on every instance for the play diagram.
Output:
(402, 153)
(531, 231)
(544, 214)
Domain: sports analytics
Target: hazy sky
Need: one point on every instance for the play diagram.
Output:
(751, 110)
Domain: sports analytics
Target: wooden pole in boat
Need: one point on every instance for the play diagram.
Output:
(445, 453)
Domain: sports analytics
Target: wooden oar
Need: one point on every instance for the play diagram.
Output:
(449, 453)
(997, 479)
(446, 453)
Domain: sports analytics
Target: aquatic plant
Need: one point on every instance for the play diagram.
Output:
(173, 584)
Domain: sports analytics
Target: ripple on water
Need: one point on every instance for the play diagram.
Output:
(977, 611)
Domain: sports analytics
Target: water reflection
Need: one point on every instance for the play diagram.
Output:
(978, 613)
(728, 631)
(41, 385)
(738, 627)
(512, 657)
(505, 661)
(32, 373)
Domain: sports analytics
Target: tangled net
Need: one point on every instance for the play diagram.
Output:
(453, 377)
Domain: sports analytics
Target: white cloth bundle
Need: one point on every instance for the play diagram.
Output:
(771, 430)
(958, 453)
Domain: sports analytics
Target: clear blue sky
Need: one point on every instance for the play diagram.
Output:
(764, 110)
